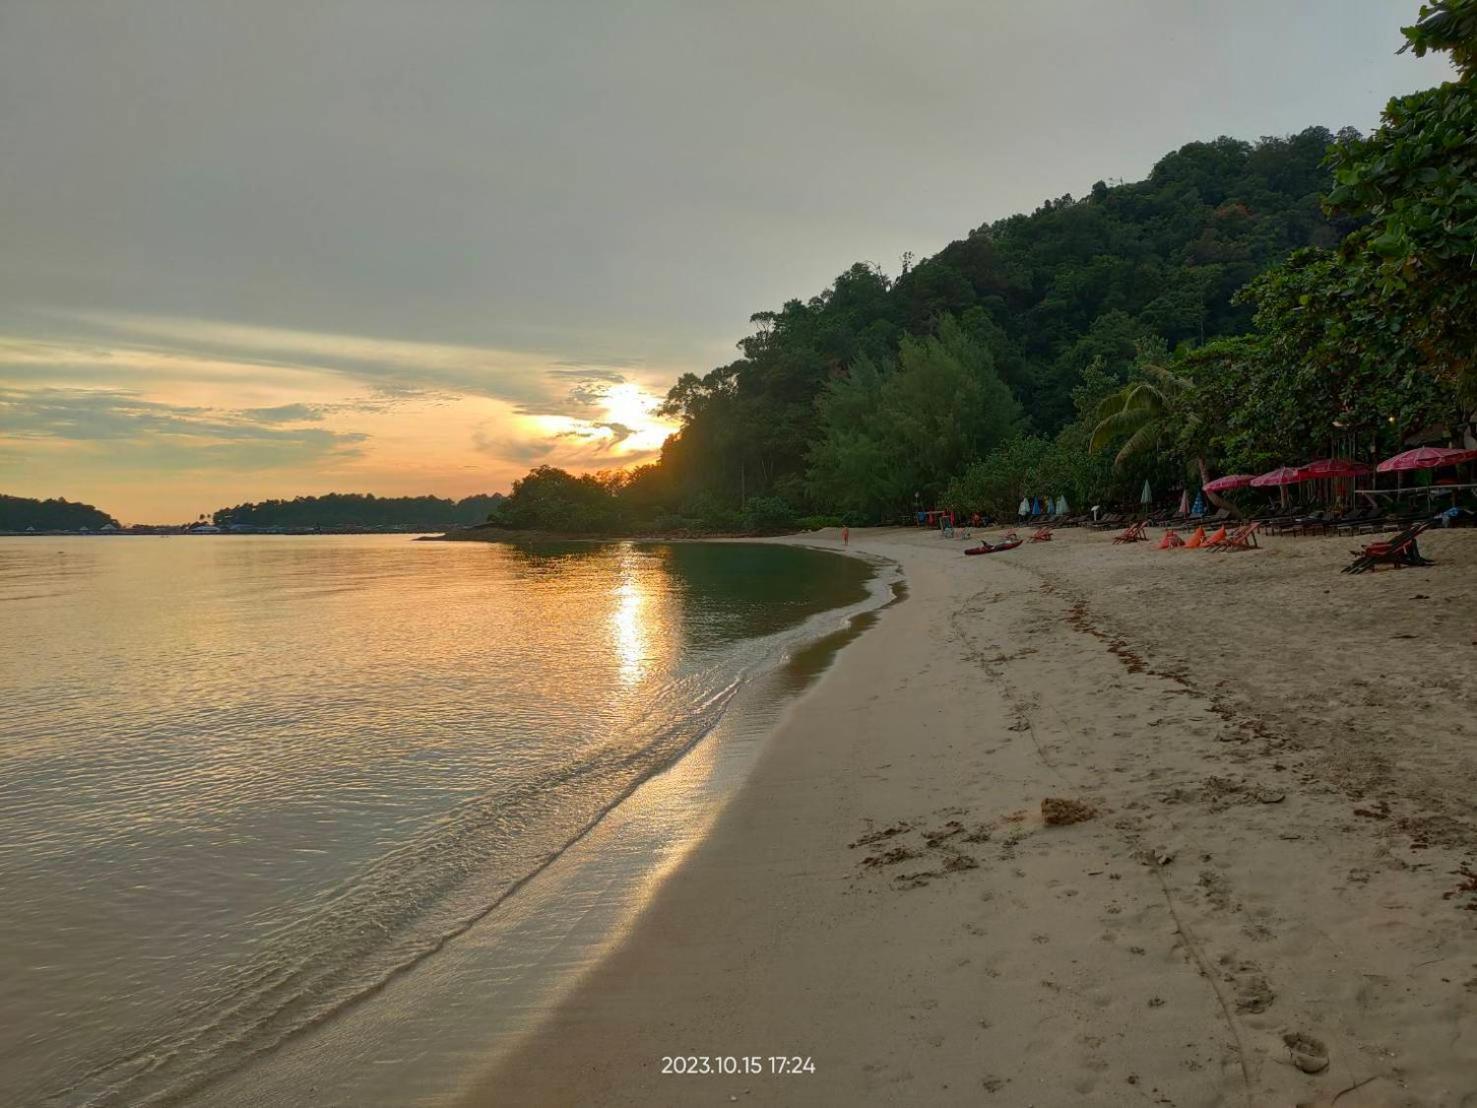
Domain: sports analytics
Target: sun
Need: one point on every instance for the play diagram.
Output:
(627, 405)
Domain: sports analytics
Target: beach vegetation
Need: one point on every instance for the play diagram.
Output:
(1245, 305)
(19, 513)
(360, 510)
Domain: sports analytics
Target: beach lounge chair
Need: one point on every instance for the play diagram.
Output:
(1196, 540)
(1171, 540)
(1217, 538)
(1243, 538)
(1042, 534)
(1399, 551)
(1137, 532)
(1351, 522)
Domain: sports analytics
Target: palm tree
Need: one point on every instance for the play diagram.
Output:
(1149, 412)
(1152, 412)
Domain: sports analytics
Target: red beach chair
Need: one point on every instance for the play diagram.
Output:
(1243, 538)
(1042, 535)
(1398, 551)
(1216, 539)
(1136, 533)
(1171, 540)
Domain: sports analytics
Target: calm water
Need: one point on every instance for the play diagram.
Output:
(246, 781)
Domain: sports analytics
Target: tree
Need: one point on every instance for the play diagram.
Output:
(891, 430)
(1411, 269)
(1154, 412)
(1149, 411)
(18, 513)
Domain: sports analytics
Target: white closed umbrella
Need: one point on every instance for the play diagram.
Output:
(1025, 508)
(1061, 505)
(1147, 497)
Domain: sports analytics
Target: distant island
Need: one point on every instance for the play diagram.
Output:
(20, 513)
(341, 512)
(362, 511)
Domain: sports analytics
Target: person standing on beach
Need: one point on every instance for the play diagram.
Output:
(845, 535)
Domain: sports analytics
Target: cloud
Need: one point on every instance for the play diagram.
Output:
(394, 368)
(127, 429)
(283, 413)
(619, 432)
(523, 451)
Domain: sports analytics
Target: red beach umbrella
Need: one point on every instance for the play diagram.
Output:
(1231, 481)
(1282, 475)
(1332, 467)
(1425, 457)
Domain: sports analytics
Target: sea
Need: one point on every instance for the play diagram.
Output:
(334, 819)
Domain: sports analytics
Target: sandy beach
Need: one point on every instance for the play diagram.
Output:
(1266, 906)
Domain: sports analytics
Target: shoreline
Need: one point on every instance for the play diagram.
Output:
(545, 931)
(486, 533)
(882, 897)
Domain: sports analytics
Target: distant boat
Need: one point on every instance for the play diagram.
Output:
(203, 529)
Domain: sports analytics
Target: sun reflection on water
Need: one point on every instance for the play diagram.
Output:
(627, 620)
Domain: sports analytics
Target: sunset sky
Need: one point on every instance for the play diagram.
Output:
(266, 249)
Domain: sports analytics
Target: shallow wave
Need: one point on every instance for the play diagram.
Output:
(435, 873)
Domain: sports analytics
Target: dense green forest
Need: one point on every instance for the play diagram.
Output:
(17, 513)
(361, 510)
(1249, 303)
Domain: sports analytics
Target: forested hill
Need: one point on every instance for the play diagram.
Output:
(1042, 295)
(17, 513)
(361, 510)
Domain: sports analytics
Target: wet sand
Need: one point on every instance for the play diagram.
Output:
(1280, 761)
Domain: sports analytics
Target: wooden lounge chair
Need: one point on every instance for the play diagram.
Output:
(1399, 551)
(1137, 532)
(1353, 521)
(1042, 534)
(1171, 540)
(1243, 538)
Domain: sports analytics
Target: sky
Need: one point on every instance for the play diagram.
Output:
(275, 248)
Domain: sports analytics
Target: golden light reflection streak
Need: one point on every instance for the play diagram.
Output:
(626, 622)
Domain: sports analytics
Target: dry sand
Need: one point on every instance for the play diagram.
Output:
(1280, 761)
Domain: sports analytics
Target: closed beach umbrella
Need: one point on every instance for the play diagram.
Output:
(1025, 508)
(1332, 467)
(1282, 475)
(1230, 481)
(1425, 457)
(1198, 508)
(1146, 496)
(1061, 505)
(1184, 508)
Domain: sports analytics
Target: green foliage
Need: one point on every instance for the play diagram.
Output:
(18, 513)
(1447, 25)
(1411, 269)
(1045, 295)
(997, 483)
(550, 499)
(1147, 414)
(1218, 313)
(361, 510)
(892, 431)
(767, 515)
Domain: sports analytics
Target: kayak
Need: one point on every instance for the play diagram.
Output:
(986, 548)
